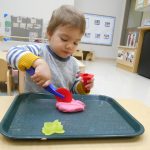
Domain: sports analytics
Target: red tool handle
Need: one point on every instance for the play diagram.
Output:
(86, 77)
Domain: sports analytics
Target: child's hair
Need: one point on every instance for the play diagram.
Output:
(66, 15)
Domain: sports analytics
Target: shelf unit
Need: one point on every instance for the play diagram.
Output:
(124, 62)
(126, 58)
(84, 54)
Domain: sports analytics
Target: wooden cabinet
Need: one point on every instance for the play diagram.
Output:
(128, 55)
(126, 58)
(78, 54)
(84, 55)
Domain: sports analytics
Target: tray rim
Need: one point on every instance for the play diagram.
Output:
(3, 132)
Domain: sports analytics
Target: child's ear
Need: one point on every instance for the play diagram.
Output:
(48, 35)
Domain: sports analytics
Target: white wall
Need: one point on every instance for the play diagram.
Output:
(146, 16)
(135, 17)
(109, 8)
(43, 9)
(28, 8)
(32, 8)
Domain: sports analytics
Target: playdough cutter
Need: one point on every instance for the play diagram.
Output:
(61, 94)
(86, 77)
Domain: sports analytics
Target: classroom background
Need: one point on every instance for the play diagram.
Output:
(112, 52)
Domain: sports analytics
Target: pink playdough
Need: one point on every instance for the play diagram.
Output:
(73, 106)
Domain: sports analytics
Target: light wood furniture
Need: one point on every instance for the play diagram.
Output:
(21, 81)
(127, 58)
(5, 73)
(90, 56)
(20, 75)
(122, 62)
(78, 54)
(126, 64)
(136, 108)
(6, 76)
(84, 55)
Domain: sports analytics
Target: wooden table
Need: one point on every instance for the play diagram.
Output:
(20, 74)
(136, 108)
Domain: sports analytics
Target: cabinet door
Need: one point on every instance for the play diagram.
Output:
(144, 63)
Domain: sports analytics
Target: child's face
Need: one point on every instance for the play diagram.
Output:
(64, 40)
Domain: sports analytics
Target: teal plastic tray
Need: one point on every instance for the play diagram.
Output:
(102, 118)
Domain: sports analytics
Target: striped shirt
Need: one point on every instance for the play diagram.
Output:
(63, 70)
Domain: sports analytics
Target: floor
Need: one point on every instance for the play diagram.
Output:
(115, 82)
(118, 83)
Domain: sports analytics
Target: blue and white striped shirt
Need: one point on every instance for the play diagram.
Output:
(63, 70)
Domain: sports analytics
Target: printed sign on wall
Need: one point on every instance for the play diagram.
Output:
(26, 27)
(23, 28)
(99, 29)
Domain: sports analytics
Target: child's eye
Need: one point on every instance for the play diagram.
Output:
(63, 39)
(75, 43)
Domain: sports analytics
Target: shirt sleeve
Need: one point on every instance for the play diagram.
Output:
(23, 56)
(78, 87)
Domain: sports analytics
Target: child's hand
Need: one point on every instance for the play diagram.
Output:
(90, 83)
(42, 76)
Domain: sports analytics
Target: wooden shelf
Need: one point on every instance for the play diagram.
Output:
(127, 48)
(144, 28)
(84, 55)
(124, 63)
(126, 58)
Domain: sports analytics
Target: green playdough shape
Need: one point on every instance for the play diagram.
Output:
(50, 128)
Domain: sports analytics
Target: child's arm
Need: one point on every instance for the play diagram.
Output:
(42, 75)
(80, 88)
(23, 57)
(84, 89)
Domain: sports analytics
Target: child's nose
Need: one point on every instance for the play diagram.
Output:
(69, 46)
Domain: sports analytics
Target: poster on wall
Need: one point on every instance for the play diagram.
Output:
(99, 29)
(29, 28)
(20, 28)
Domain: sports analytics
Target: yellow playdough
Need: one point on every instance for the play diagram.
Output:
(50, 128)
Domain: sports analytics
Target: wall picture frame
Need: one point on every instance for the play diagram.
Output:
(99, 29)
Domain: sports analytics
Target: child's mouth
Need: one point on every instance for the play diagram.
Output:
(66, 53)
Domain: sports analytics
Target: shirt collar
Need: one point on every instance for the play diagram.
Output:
(55, 55)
